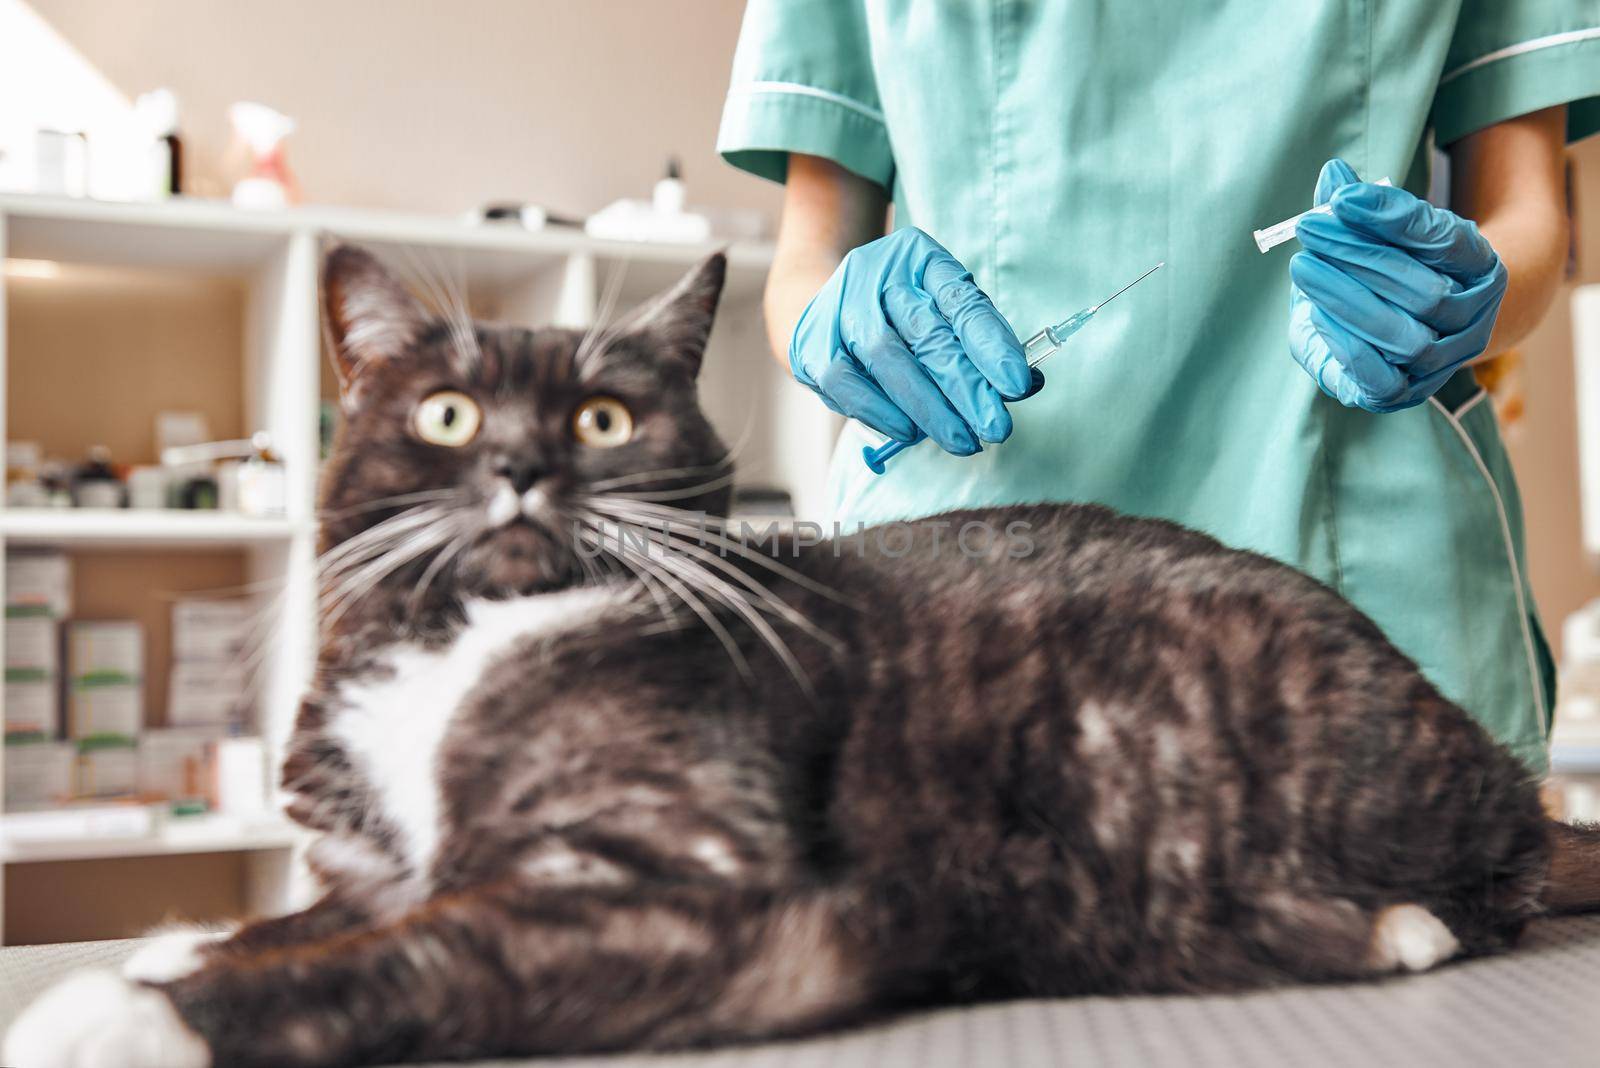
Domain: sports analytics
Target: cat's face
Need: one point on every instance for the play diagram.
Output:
(471, 456)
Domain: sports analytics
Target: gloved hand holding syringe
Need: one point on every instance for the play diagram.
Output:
(901, 339)
(1038, 348)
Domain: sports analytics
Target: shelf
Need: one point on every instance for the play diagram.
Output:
(214, 236)
(187, 834)
(137, 527)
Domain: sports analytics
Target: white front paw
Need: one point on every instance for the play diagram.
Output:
(169, 956)
(97, 1019)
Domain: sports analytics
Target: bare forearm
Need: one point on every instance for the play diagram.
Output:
(1510, 180)
(827, 211)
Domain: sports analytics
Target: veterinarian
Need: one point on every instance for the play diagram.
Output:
(1318, 406)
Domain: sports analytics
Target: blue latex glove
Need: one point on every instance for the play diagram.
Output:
(902, 339)
(1391, 295)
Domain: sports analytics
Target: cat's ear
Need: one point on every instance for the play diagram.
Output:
(676, 324)
(368, 315)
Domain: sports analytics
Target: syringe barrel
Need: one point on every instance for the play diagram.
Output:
(1272, 236)
(1040, 346)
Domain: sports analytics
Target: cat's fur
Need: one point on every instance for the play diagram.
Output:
(563, 810)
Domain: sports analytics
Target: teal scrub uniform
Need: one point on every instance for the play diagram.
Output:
(1060, 147)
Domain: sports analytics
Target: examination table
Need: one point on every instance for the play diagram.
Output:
(1535, 1007)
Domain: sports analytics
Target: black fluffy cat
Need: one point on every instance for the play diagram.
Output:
(580, 789)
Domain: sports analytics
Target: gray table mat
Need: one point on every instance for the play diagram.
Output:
(1538, 1006)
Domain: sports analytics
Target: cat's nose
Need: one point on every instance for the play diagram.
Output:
(522, 474)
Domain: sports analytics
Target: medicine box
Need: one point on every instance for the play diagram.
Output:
(241, 777)
(96, 710)
(105, 652)
(106, 770)
(176, 765)
(38, 583)
(30, 648)
(211, 629)
(204, 692)
(30, 708)
(40, 773)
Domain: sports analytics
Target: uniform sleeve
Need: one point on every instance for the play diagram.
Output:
(1511, 57)
(803, 82)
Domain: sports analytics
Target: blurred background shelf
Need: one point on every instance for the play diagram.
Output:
(147, 529)
(172, 836)
(224, 241)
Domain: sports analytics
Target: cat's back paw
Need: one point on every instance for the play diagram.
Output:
(1409, 938)
(97, 1019)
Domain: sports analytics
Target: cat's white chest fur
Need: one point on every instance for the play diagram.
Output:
(392, 726)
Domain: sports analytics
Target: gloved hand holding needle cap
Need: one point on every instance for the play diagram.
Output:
(902, 339)
(1391, 295)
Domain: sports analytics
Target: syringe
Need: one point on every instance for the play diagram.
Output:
(1276, 234)
(1037, 349)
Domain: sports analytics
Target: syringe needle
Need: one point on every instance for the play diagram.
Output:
(1129, 286)
(1036, 350)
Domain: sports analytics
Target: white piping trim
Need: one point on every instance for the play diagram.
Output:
(1555, 40)
(1476, 399)
(799, 89)
(1511, 557)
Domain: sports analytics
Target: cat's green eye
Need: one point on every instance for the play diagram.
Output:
(447, 418)
(602, 422)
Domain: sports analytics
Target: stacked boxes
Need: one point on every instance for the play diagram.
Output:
(205, 702)
(31, 678)
(177, 764)
(105, 703)
(38, 767)
(38, 583)
(107, 767)
(207, 684)
(74, 701)
(105, 679)
(39, 773)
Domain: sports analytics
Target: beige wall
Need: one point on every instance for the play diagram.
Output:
(438, 105)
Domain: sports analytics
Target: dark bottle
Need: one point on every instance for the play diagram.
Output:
(95, 484)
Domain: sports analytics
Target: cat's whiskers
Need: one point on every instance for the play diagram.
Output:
(677, 494)
(449, 305)
(721, 464)
(600, 332)
(683, 521)
(393, 538)
(335, 580)
(388, 502)
(584, 527)
(451, 550)
(640, 563)
(363, 543)
(678, 542)
(455, 286)
(671, 557)
(358, 585)
(605, 484)
(777, 604)
(349, 571)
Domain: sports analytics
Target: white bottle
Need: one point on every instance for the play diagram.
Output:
(670, 193)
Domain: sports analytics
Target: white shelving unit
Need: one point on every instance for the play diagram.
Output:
(153, 529)
(518, 276)
(198, 834)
